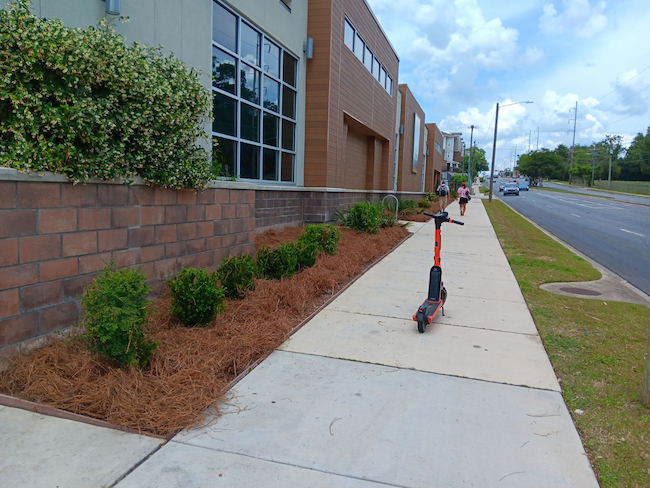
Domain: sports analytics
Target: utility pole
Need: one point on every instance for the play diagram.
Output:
(530, 133)
(573, 146)
(469, 165)
(593, 164)
(494, 151)
(609, 178)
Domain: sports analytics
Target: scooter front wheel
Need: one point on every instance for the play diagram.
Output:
(422, 326)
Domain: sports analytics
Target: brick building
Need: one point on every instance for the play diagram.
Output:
(412, 143)
(436, 164)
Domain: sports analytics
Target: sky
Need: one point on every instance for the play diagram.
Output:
(461, 57)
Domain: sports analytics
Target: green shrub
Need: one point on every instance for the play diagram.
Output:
(387, 219)
(431, 196)
(237, 274)
(362, 217)
(453, 193)
(196, 296)
(306, 254)
(458, 179)
(277, 263)
(424, 203)
(116, 310)
(81, 103)
(325, 236)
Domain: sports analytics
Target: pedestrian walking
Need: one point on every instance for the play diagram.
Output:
(463, 194)
(442, 191)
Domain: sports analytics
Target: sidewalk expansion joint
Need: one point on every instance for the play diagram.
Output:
(399, 368)
(259, 458)
(407, 319)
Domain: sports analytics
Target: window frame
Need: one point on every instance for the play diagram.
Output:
(387, 83)
(240, 62)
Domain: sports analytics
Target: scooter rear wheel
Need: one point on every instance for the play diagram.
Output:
(422, 326)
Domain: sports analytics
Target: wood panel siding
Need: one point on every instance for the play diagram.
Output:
(406, 179)
(436, 163)
(356, 159)
(341, 85)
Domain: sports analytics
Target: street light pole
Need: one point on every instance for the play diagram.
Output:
(494, 144)
(469, 165)
(494, 152)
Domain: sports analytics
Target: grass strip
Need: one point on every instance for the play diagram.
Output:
(596, 348)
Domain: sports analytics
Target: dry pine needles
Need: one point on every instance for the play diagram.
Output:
(192, 368)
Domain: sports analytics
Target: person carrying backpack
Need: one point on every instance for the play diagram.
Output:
(442, 191)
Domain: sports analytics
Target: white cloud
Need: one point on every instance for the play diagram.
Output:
(578, 17)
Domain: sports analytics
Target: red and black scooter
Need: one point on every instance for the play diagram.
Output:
(437, 292)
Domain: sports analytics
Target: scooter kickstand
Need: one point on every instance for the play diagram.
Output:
(443, 311)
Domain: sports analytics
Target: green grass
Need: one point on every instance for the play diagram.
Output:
(484, 190)
(596, 348)
(634, 187)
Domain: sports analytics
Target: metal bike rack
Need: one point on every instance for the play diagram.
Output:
(396, 205)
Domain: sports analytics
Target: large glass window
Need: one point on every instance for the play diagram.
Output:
(271, 59)
(224, 27)
(254, 82)
(224, 71)
(250, 83)
(224, 111)
(289, 69)
(250, 44)
(250, 123)
(271, 94)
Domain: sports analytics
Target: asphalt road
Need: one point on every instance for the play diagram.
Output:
(643, 200)
(613, 233)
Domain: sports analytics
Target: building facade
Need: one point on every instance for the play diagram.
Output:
(351, 98)
(453, 149)
(436, 164)
(411, 142)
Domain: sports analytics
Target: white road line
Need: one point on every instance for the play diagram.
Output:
(635, 233)
(576, 215)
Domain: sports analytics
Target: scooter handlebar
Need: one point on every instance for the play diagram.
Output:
(456, 222)
(429, 214)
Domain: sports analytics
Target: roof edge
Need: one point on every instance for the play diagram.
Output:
(381, 29)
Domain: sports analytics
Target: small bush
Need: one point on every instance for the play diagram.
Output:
(116, 310)
(326, 236)
(306, 254)
(237, 274)
(278, 263)
(431, 196)
(424, 203)
(387, 219)
(453, 193)
(362, 217)
(196, 297)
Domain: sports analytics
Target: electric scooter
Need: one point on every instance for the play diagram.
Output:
(437, 292)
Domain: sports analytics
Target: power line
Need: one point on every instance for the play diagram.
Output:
(631, 96)
(609, 93)
(626, 117)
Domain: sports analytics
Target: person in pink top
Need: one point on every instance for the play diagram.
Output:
(463, 194)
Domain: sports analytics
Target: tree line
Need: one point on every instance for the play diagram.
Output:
(591, 162)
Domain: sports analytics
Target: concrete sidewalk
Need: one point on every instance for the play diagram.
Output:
(358, 398)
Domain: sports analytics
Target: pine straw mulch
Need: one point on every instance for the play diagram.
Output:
(192, 367)
(420, 217)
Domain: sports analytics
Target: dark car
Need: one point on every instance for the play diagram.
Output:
(501, 186)
(511, 189)
(523, 186)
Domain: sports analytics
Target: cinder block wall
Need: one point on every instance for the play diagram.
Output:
(54, 237)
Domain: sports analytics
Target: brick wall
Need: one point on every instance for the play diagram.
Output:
(280, 209)
(54, 237)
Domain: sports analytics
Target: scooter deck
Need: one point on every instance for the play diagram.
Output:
(428, 310)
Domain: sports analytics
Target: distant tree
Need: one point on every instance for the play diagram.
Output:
(479, 162)
(540, 164)
(582, 172)
(636, 164)
(562, 171)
